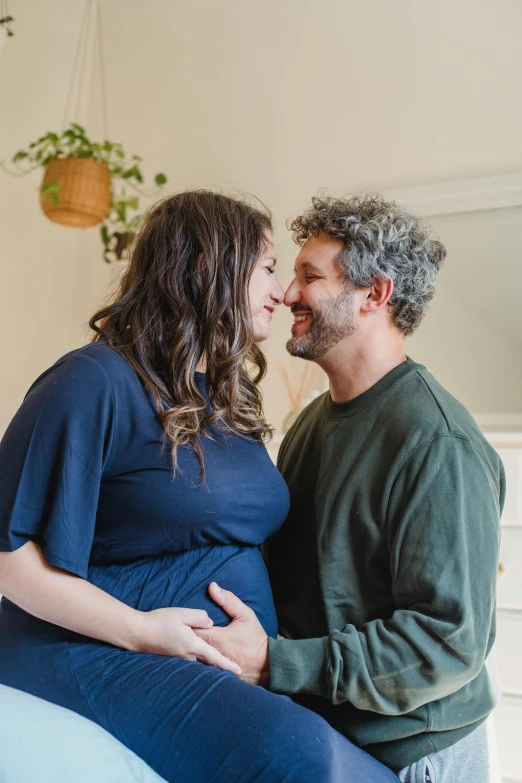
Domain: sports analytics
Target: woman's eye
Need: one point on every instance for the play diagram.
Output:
(270, 270)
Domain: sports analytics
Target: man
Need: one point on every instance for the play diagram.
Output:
(384, 572)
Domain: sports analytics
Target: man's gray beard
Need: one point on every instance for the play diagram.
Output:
(329, 326)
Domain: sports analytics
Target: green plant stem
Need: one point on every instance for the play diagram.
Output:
(20, 173)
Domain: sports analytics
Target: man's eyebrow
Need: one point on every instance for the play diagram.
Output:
(307, 265)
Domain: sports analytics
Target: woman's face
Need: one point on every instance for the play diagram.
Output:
(264, 292)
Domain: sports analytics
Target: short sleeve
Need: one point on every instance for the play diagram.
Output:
(52, 458)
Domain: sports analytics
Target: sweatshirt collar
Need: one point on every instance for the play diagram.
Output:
(341, 410)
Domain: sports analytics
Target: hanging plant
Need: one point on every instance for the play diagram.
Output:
(79, 184)
(119, 230)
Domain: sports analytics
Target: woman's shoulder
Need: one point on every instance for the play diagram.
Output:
(93, 368)
(101, 354)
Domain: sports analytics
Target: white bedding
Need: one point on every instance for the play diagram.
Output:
(43, 743)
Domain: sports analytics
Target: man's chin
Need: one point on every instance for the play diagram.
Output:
(300, 347)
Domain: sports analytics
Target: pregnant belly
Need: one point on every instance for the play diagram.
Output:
(182, 579)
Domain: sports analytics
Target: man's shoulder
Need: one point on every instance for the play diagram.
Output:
(422, 403)
(306, 427)
(308, 419)
(422, 411)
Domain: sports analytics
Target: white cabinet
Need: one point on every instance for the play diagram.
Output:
(508, 647)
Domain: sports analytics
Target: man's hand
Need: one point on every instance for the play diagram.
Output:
(243, 641)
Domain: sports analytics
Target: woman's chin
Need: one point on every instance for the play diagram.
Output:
(261, 334)
(261, 338)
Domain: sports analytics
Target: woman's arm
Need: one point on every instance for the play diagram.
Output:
(66, 600)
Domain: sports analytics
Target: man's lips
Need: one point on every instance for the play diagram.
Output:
(302, 320)
(301, 316)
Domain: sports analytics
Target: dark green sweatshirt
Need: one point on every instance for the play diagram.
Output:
(384, 573)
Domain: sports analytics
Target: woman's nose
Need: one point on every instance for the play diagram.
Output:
(277, 294)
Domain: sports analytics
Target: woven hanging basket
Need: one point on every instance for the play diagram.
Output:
(84, 195)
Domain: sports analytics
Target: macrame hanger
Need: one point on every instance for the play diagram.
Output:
(78, 81)
(103, 85)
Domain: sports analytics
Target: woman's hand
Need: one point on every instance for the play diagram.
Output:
(169, 632)
(71, 602)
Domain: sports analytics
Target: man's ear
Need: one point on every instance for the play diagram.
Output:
(377, 295)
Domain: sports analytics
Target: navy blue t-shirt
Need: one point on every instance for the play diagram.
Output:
(86, 472)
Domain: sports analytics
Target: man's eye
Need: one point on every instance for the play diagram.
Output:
(309, 278)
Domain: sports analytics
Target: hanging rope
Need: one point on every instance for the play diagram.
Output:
(78, 59)
(78, 80)
(105, 112)
(84, 61)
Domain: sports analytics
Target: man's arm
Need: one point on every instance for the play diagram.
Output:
(443, 534)
(443, 515)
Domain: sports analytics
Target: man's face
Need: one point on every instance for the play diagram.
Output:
(321, 302)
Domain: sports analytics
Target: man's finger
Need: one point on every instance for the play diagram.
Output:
(232, 605)
(209, 655)
(213, 636)
(207, 635)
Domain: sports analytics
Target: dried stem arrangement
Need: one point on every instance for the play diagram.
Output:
(298, 390)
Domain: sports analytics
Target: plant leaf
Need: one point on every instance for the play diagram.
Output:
(160, 179)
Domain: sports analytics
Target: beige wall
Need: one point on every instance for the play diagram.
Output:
(274, 97)
(471, 338)
(37, 258)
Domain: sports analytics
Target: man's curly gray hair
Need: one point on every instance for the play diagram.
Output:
(380, 240)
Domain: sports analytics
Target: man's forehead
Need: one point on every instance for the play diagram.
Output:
(318, 253)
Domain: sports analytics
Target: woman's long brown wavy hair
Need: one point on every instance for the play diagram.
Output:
(184, 300)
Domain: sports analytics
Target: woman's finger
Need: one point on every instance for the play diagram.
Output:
(196, 618)
(209, 655)
(232, 605)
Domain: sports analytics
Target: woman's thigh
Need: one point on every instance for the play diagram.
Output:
(195, 723)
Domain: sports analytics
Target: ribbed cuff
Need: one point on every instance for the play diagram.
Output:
(299, 666)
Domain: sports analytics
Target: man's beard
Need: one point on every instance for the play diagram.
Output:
(331, 322)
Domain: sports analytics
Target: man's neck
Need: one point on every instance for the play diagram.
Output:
(355, 366)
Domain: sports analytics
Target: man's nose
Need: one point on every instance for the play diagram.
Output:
(292, 294)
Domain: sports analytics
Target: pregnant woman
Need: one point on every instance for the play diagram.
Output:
(133, 475)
